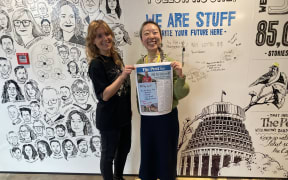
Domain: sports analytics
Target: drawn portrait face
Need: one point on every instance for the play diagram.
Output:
(26, 116)
(112, 4)
(21, 75)
(8, 46)
(35, 109)
(73, 67)
(65, 93)
(24, 132)
(151, 38)
(63, 52)
(3, 21)
(74, 55)
(17, 154)
(103, 40)
(42, 147)
(12, 92)
(28, 151)
(68, 147)
(13, 138)
(30, 91)
(96, 142)
(119, 35)
(13, 112)
(77, 124)
(67, 19)
(38, 127)
(51, 102)
(49, 132)
(56, 147)
(83, 147)
(42, 9)
(91, 6)
(23, 25)
(60, 132)
(46, 27)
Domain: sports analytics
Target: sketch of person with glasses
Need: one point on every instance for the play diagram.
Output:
(26, 134)
(26, 30)
(80, 92)
(51, 103)
(73, 69)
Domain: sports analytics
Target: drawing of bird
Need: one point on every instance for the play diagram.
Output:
(268, 77)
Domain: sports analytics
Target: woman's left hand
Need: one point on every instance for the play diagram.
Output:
(177, 66)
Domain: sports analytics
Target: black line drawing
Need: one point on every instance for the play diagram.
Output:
(20, 4)
(92, 10)
(60, 132)
(78, 124)
(29, 153)
(66, 23)
(95, 145)
(26, 115)
(7, 45)
(113, 9)
(12, 92)
(63, 52)
(26, 134)
(121, 35)
(58, 75)
(21, 74)
(44, 63)
(80, 92)
(16, 153)
(8, 5)
(35, 110)
(43, 149)
(42, 76)
(42, 10)
(5, 68)
(282, 9)
(82, 145)
(5, 24)
(56, 149)
(277, 85)
(32, 91)
(38, 127)
(51, 104)
(14, 114)
(32, 4)
(46, 48)
(75, 54)
(26, 31)
(73, 69)
(66, 96)
(12, 138)
(46, 26)
(69, 149)
(84, 69)
(50, 134)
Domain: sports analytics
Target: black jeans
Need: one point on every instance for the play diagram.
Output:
(116, 145)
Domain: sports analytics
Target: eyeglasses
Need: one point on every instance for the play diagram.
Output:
(81, 93)
(25, 23)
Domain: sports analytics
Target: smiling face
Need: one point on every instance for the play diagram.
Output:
(13, 112)
(55, 147)
(5, 67)
(91, 6)
(112, 4)
(21, 75)
(68, 147)
(103, 41)
(51, 102)
(67, 19)
(42, 9)
(30, 91)
(118, 34)
(42, 148)
(151, 38)
(23, 25)
(12, 91)
(77, 124)
(28, 151)
(83, 147)
(7, 46)
(3, 21)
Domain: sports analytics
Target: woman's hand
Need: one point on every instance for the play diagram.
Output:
(177, 66)
(127, 71)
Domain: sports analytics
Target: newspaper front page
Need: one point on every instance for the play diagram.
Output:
(154, 82)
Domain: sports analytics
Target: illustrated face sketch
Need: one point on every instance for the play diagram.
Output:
(16, 152)
(24, 133)
(73, 68)
(50, 101)
(5, 68)
(60, 130)
(38, 127)
(63, 51)
(80, 91)
(42, 9)
(49, 132)
(21, 74)
(75, 54)
(65, 93)
(13, 112)
(91, 6)
(119, 35)
(23, 26)
(12, 93)
(12, 138)
(35, 109)
(56, 148)
(46, 27)
(26, 114)
(3, 21)
(112, 4)
(77, 124)
(67, 19)
(83, 146)
(7, 45)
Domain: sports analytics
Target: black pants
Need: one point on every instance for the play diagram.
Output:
(116, 145)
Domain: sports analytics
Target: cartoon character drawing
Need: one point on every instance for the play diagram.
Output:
(42, 10)
(38, 127)
(29, 153)
(66, 23)
(69, 149)
(12, 138)
(43, 149)
(113, 9)
(95, 145)
(66, 96)
(80, 92)
(82, 145)
(31, 91)
(35, 110)
(60, 131)
(26, 115)
(63, 52)
(121, 35)
(21, 74)
(26, 134)
(16, 153)
(73, 69)
(56, 149)
(7, 45)
(46, 27)
(75, 54)
(78, 124)
(5, 68)
(26, 31)
(14, 114)
(84, 69)
(12, 92)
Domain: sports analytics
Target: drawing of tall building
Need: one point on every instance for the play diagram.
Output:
(220, 138)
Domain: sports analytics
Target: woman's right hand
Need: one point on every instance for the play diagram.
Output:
(127, 71)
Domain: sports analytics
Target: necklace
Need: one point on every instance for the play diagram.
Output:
(147, 61)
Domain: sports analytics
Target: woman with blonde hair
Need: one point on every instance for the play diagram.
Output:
(111, 83)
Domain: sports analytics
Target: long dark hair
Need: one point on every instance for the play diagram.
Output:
(117, 9)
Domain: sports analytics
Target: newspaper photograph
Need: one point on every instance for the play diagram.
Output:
(154, 82)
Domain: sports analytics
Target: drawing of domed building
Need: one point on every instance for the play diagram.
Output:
(220, 138)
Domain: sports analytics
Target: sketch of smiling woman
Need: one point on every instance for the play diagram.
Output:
(65, 17)
(11, 92)
(26, 30)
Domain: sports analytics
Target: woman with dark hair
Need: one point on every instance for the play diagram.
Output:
(67, 24)
(78, 124)
(69, 149)
(159, 134)
(111, 81)
(32, 91)
(113, 9)
(29, 153)
(95, 145)
(11, 92)
(121, 35)
(43, 149)
(26, 134)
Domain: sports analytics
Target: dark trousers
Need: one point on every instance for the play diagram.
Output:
(159, 140)
(116, 145)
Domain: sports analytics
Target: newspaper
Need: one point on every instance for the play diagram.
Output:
(154, 82)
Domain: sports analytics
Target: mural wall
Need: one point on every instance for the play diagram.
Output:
(234, 122)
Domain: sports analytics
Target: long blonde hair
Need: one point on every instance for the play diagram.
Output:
(92, 51)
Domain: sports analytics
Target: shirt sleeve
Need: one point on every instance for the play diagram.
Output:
(98, 76)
